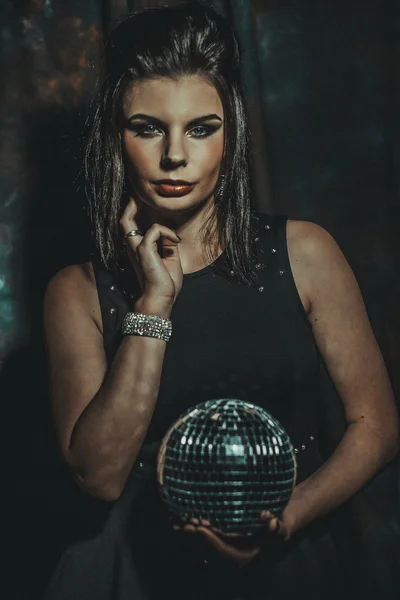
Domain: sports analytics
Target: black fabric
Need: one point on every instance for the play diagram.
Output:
(228, 341)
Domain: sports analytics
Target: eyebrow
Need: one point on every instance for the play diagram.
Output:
(191, 123)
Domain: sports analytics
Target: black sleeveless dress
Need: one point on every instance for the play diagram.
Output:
(228, 340)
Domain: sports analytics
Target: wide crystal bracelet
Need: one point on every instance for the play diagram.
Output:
(147, 325)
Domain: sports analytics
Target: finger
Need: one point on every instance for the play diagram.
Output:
(276, 526)
(230, 534)
(217, 530)
(128, 223)
(273, 525)
(207, 523)
(240, 556)
(266, 515)
(131, 211)
(148, 251)
(147, 260)
(273, 522)
(161, 234)
(190, 528)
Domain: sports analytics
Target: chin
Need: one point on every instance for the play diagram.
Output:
(178, 205)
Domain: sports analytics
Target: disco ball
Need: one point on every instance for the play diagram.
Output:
(226, 461)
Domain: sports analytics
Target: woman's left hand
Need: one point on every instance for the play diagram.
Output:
(224, 543)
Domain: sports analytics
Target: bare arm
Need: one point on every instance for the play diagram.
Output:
(101, 416)
(351, 353)
(342, 331)
(332, 299)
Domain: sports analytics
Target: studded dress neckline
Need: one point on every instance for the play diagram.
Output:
(208, 269)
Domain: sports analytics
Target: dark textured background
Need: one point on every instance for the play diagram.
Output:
(321, 81)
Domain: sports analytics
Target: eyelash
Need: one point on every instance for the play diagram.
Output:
(141, 130)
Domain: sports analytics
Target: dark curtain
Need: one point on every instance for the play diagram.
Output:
(321, 82)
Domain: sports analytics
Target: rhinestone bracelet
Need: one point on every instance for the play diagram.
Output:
(147, 325)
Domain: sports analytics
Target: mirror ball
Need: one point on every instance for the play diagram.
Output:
(226, 461)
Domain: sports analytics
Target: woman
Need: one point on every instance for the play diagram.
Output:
(253, 302)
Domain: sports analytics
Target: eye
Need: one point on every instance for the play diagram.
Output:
(201, 131)
(148, 130)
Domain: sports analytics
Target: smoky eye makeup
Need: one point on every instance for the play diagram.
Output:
(150, 127)
(207, 130)
(150, 130)
(143, 129)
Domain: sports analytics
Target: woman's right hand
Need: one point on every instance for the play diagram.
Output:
(160, 276)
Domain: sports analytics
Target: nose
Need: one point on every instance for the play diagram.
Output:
(174, 154)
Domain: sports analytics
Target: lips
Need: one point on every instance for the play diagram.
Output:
(174, 189)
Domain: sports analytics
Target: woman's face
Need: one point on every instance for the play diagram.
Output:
(173, 131)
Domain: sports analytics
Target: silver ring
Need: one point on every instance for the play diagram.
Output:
(132, 233)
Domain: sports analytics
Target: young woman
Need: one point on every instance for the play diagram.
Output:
(253, 301)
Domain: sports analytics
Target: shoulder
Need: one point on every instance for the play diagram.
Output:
(318, 264)
(74, 289)
(74, 280)
(319, 267)
(313, 246)
(303, 236)
(309, 240)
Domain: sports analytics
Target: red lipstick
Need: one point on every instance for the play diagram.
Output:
(173, 187)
